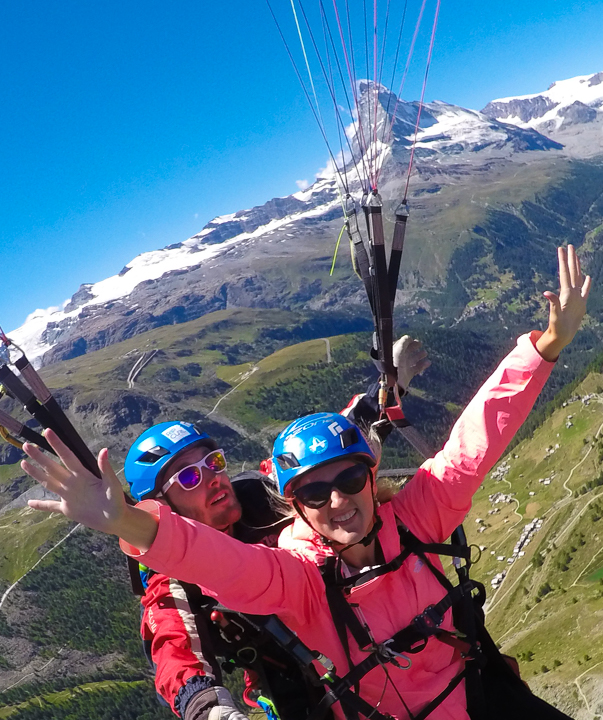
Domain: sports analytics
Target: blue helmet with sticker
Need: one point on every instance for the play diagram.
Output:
(317, 440)
(154, 449)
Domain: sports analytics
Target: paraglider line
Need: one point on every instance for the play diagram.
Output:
(306, 93)
(375, 86)
(303, 47)
(338, 120)
(408, 60)
(382, 60)
(347, 97)
(391, 84)
(337, 247)
(331, 89)
(421, 102)
(370, 147)
(363, 143)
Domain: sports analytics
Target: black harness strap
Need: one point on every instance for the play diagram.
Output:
(343, 615)
(419, 549)
(381, 296)
(411, 639)
(395, 257)
(428, 709)
(341, 693)
(360, 256)
(371, 573)
(410, 545)
(464, 615)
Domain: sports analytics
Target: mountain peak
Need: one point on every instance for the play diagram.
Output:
(576, 101)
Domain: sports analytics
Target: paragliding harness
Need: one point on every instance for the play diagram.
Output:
(399, 649)
(493, 686)
(279, 673)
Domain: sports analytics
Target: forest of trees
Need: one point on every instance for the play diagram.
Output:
(109, 700)
(83, 599)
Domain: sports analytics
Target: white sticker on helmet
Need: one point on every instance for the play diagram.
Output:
(176, 433)
(318, 445)
(335, 429)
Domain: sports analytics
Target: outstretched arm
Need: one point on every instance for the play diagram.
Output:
(248, 578)
(96, 502)
(439, 496)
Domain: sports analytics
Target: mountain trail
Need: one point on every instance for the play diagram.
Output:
(33, 567)
(139, 365)
(577, 684)
(245, 377)
(595, 556)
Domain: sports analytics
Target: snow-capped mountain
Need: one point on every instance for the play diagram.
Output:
(232, 260)
(445, 133)
(43, 329)
(455, 130)
(576, 101)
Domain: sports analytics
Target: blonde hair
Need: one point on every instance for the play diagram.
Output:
(278, 503)
(388, 487)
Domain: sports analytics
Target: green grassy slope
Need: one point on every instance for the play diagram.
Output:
(105, 698)
(22, 533)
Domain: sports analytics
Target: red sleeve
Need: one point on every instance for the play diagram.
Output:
(169, 623)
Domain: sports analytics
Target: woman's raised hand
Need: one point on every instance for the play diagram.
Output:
(567, 309)
(96, 502)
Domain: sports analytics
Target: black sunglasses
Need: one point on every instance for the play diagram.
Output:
(350, 481)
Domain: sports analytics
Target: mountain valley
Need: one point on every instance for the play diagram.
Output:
(241, 328)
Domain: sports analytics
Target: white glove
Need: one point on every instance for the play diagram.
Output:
(223, 712)
(215, 703)
(410, 359)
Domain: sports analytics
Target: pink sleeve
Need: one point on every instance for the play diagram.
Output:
(246, 578)
(439, 496)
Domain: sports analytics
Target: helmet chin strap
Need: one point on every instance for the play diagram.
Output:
(373, 532)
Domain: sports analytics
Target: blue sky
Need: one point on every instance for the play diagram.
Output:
(126, 126)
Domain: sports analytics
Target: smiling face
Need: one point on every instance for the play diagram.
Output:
(345, 519)
(212, 502)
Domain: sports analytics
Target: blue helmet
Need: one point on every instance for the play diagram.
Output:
(317, 440)
(152, 450)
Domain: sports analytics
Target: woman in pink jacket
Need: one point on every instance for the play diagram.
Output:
(326, 469)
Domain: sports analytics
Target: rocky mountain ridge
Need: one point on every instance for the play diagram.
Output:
(238, 260)
(566, 104)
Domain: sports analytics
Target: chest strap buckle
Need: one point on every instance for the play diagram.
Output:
(428, 621)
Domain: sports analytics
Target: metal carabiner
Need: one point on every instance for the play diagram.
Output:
(394, 657)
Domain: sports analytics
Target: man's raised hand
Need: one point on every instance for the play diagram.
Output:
(410, 359)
